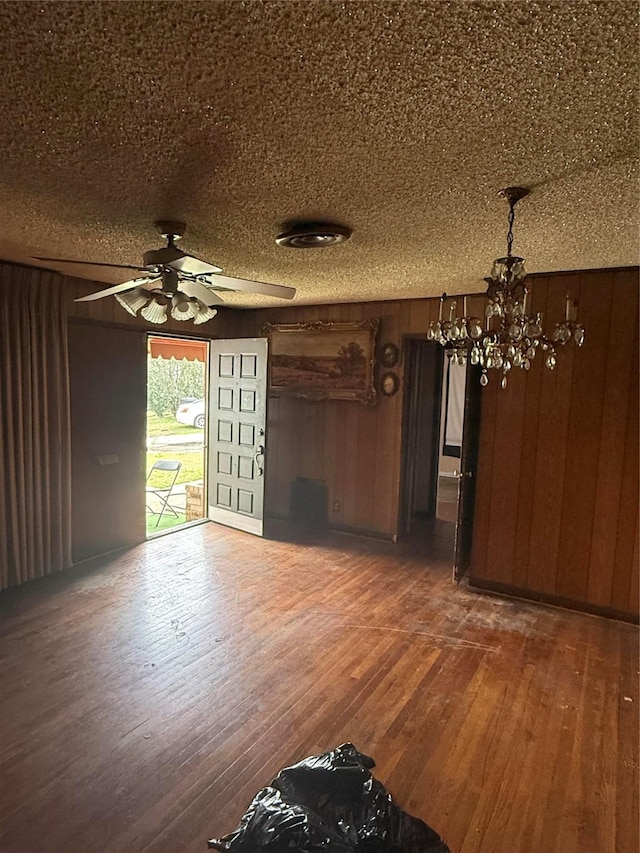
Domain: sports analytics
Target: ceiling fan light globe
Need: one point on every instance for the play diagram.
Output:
(182, 307)
(126, 305)
(204, 313)
(155, 311)
(133, 300)
(177, 314)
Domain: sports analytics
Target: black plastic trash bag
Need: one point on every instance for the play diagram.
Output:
(329, 803)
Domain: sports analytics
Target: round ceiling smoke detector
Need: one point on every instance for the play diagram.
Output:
(315, 236)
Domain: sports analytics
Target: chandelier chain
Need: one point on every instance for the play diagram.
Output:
(512, 216)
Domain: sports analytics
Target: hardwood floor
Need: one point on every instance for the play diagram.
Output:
(146, 699)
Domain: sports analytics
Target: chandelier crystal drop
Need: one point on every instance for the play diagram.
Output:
(508, 336)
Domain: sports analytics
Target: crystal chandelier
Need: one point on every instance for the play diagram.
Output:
(509, 337)
(156, 305)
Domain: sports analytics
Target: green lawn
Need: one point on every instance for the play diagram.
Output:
(192, 463)
(191, 470)
(165, 522)
(167, 425)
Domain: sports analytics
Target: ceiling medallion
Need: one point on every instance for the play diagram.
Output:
(313, 235)
(509, 337)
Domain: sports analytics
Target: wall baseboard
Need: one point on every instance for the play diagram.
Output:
(365, 534)
(529, 595)
(334, 528)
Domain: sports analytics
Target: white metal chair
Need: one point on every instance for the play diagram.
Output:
(161, 485)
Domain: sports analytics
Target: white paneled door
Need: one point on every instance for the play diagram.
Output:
(237, 419)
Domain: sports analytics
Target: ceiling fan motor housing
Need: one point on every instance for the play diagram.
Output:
(162, 257)
(170, 229)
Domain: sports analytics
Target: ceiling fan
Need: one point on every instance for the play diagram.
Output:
(174, 281)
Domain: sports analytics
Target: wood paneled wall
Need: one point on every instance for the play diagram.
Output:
(557, 506)
(354, 448)
(557, 500)
(108, 379)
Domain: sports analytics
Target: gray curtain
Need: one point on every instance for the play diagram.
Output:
(35, 453)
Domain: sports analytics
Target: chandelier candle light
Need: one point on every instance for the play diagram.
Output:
(509, 337)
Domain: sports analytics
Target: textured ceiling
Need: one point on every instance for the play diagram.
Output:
(399, 119)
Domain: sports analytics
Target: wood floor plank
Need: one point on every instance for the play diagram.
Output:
(145, 698)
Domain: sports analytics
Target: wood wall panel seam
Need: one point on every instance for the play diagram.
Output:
(611, 462)
(521, 568)
(625, 579)
(584, 440)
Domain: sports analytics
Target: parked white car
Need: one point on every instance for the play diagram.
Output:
(192, 414)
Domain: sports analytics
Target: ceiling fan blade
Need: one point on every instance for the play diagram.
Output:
(118, 288)
(92, 263)
(280, 290)
(194, 266)
(197, 289)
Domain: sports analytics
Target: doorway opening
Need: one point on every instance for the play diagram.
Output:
(423, 374)
(454, 380)
(176, 428)
(440, 441)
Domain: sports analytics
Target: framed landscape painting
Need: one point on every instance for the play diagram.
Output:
(323, 360)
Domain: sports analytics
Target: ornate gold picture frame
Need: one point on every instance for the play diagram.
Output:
(323, 360)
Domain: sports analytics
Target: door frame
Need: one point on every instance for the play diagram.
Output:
(412, 345)
(461, 557)
(182, 336)
(468, 473)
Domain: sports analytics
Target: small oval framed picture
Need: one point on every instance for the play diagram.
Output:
(389, 384)
(389, 355)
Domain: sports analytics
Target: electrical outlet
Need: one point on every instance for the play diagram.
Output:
(336, 506)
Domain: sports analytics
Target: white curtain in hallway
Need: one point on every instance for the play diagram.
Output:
(455, 404)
